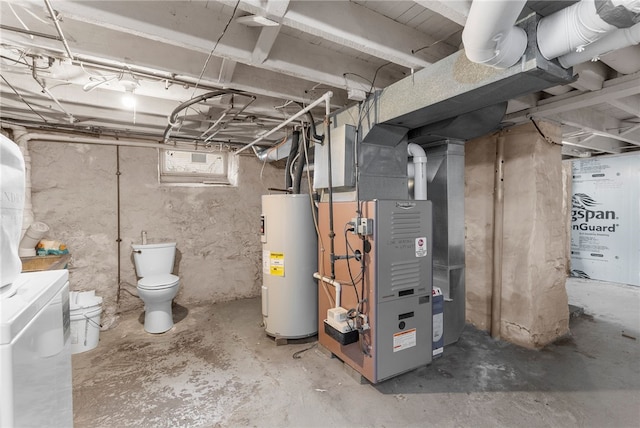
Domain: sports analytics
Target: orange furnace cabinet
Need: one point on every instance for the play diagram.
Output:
(392, 279)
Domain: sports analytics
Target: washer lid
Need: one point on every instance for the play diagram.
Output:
(158, 281)
(33, 291)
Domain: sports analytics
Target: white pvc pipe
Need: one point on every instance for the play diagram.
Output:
(324, 98)
(34, 234)
(617, 39)
(332, 282)
(490, 36)
(419, 171)
(572, 29)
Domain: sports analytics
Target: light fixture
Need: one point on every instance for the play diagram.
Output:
(130, 84)
(129, 99)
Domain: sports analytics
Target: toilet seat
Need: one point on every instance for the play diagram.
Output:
(158, 282)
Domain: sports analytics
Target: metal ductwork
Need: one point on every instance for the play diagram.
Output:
(455, 86)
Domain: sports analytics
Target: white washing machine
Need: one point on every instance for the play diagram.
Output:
(35, 351)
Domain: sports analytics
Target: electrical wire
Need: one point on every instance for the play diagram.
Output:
(353, 282)
(206, 63)
(19, 20)
(544, 137)
(297, 355)
(22, 99)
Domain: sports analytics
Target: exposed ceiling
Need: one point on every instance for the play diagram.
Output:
(277, 52)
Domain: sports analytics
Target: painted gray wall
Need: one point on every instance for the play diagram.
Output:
(216, 228)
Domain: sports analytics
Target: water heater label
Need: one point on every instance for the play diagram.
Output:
(404, 339)
(421, 246)
(276, 267)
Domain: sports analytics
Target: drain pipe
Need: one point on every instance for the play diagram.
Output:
(575, 27)
(490, 36)
(419, 171)
(332, 282)
(498, 228)
(617, 39)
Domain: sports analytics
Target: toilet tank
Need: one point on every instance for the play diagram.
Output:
(154, 259)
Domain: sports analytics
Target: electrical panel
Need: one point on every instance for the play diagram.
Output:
(342, 159)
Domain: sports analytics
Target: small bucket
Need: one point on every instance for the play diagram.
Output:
(85, 311)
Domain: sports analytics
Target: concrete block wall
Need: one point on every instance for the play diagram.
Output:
(216, 228)
(534, 298)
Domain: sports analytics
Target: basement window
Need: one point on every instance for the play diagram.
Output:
(198, 168)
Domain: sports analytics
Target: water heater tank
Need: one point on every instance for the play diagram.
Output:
(289, 260)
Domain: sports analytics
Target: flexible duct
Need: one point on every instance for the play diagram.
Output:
(274, 153)
(615, 40)
(299, 167)
(295, 138)
(419, 171)
(573, 28)
(490, 36)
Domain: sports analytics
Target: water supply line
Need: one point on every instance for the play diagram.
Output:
(490, 36)
(419, 171)
(498, 231)
(173, 117)
(324, 98)
(224, 125)
(332, 234)
(56, 22)
(332, 282)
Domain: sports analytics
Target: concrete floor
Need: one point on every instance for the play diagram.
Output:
(217, 368)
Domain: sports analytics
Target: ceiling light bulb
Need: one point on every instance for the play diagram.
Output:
(129, 100)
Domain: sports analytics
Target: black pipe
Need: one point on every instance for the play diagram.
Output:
(295, 139)
(332, 234)
(313, 126)
(119, 238)
(302, 150)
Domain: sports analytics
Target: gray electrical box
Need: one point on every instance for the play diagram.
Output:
(342, 159)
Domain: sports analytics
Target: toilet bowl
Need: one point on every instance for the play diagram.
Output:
(157, 286)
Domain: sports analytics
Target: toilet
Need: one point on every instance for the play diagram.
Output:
(157, 286)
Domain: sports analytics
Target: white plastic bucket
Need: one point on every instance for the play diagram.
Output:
(85, 311)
